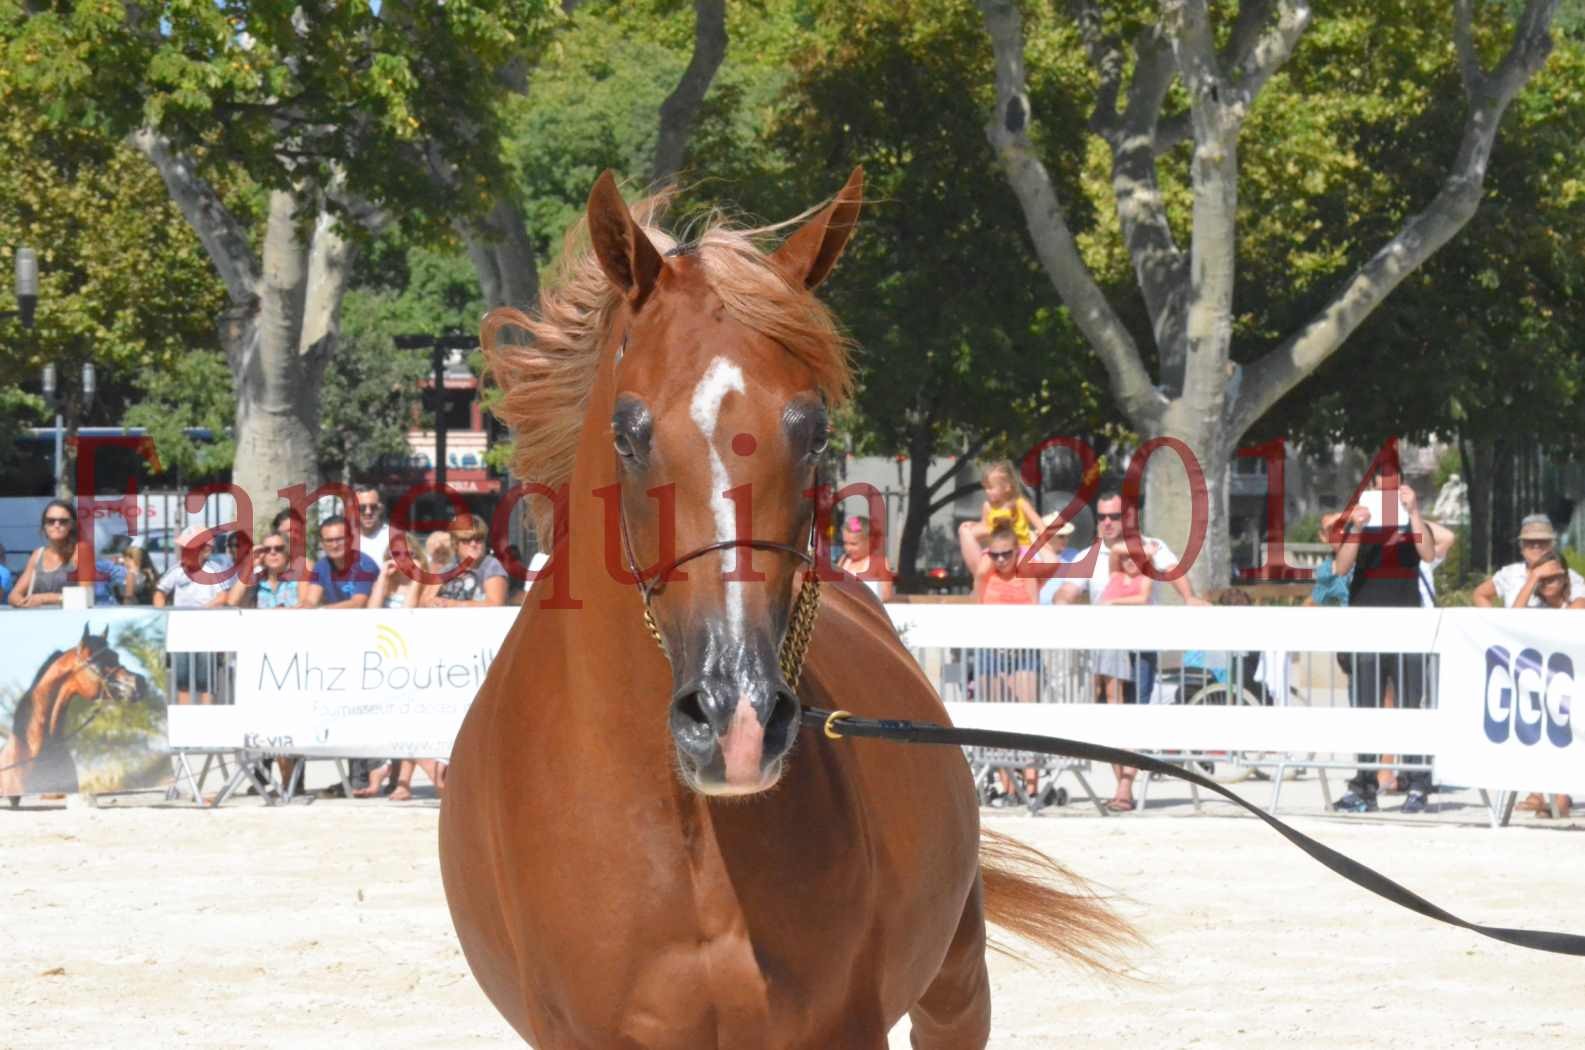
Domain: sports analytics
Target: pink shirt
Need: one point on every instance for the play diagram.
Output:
(1122, 585)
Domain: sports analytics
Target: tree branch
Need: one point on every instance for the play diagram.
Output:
(1008, 132)
(1469, 69)
(1274, 49)
(1106, 58)
(1159, 265)
(223, 237)
(1281, 369)
(681, 107)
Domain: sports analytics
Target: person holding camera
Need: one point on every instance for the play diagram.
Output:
(1383, 540)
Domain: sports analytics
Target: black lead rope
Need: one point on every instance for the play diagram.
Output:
(838, 724)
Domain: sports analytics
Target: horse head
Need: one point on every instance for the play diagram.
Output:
(724, 368)
(92, 669)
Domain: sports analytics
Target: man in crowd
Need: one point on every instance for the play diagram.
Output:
(340, 580)
(374, 533)
(6, 579)
(1109, 531)
(1380, 552)
(1537, 539)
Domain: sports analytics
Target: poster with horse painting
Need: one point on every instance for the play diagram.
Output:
(82, 703)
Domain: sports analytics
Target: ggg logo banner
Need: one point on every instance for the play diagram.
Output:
(1506, 696)
(1528, 697)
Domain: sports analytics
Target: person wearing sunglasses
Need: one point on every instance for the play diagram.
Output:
(267, 583)
(374, 532)
(478, 578)
(1537, 539)
(52, 567)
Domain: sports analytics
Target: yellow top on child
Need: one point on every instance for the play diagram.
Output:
(1006, 503)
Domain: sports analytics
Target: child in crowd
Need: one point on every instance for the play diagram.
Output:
(1006, 504)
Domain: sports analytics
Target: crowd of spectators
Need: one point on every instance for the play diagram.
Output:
(1383, 533)
(366, 562)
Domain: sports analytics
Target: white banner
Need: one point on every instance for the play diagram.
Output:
(1506, 696)
(387, 683)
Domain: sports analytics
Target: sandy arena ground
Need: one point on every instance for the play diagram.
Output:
(324, 925)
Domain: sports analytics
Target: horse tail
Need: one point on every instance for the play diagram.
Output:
(1029, 894)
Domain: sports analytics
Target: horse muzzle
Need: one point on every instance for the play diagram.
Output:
(731, 737)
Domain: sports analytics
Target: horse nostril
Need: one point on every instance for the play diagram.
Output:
(782, 723)
(690, 726)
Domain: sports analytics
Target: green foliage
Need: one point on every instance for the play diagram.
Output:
(1306, 530)
(122, 280)
(371, 392)
(370, 97)
(18, 410)
(939, 288)
(1485, 336)
(197, 392)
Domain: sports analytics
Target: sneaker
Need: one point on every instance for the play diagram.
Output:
(1354, 802)
(1414, 802)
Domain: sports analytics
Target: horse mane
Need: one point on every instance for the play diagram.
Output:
(545, 384)
(24, 708)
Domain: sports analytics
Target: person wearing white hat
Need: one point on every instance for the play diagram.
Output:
(1056, 549)
(194, 547)
(1537, 540)
(178, 588)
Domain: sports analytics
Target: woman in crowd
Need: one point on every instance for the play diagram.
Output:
(400, 585)
(142, 580)
(864, 555)
(1548, 580)
(52, 567)
(481, 579)
(268, 584)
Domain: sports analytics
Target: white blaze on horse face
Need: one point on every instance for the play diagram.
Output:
(720, 379)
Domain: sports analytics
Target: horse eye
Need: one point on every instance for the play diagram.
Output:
(624, 447)
(821, 439)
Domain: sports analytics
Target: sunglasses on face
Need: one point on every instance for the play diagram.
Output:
(57, 521)
(1001, 555)
(368, 508)
(273, 548)
(1110, 517)
(1533, 544)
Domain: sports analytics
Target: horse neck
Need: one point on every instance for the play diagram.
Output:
(35, 716)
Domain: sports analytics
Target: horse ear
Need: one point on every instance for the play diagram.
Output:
(105, 634)
(811, 254)
(84, 639)
(625, 253)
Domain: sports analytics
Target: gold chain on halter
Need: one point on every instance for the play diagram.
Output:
(795, 646)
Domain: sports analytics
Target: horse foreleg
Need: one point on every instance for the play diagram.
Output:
(955, 1011)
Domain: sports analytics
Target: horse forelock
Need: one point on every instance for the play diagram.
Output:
(546, 381)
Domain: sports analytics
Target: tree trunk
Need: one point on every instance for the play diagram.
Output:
(678, 112)
(917, 517)
(278, 350)
(1202, 397)
(1477, 459)
(1504, 525)
(1199, 536)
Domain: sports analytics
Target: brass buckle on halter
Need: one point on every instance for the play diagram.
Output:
(834, 719)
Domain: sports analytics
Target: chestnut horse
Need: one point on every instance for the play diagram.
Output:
(36, 758)
(639, 847)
